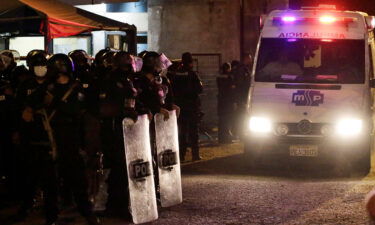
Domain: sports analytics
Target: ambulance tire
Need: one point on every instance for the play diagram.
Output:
(363, 164)
(252, 157)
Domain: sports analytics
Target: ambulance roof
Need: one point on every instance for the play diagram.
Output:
(316, 23)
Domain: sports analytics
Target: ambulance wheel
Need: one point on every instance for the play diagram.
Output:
(363, 165)
(252, 157)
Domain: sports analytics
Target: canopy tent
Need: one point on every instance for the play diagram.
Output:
(54, 19)
(91, 2)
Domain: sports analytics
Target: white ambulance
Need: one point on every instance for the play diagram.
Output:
(310, 96)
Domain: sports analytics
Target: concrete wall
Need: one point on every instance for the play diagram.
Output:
(208, 27)
(198, 26)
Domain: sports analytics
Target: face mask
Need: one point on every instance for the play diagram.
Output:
(40, 71)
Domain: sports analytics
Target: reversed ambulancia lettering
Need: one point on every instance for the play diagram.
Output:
(312, 35)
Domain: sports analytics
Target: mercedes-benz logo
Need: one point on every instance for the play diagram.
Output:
(304, 127)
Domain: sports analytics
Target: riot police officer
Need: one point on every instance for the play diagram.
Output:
(91, 122)
(37, 148)
(155, 92)
(226, 103)
(98, 67)
(65, 101)
(187, 87)
(7, 111)
(117, 101)
(15, 74)
(155, 96)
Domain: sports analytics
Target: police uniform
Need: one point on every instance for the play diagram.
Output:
(7, 109)
(187, 87)
(117, 100)
(225, 107)
(39, 167)
(66, 109)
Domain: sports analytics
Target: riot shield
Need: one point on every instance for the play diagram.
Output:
(168, 159)
(143, 205)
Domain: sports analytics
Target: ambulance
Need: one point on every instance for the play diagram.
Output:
(311, 91)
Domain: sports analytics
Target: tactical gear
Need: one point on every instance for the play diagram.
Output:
(60, 63)
(168, 159)
(140, 172)
(98, 62)
(33, 53)
(187, 87)
(79, 57)
(151, 62)
(38, 60)
(123, 61)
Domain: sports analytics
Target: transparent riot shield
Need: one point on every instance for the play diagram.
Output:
(168, 159)
(143, 205)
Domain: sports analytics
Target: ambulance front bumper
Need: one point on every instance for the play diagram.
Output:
(312, 147)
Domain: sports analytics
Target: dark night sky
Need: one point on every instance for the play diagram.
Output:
(361, 5)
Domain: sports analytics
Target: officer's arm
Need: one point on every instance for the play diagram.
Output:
(169, 101)
(198, 84)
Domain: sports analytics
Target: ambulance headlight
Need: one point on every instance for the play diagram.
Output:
(349, 127)
(260, 125)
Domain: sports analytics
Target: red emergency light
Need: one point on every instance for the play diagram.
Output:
(326, 19)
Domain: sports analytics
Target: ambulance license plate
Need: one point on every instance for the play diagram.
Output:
(303, 150)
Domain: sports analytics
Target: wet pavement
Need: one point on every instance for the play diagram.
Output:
(224, 189)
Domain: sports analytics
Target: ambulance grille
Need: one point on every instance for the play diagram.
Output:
(302, 128)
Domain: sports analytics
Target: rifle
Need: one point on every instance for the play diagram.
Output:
(47, 121)
(47, 126)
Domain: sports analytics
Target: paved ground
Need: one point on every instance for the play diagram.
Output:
(223, 190)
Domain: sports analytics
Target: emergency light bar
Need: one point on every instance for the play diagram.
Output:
(320, 7)
(327, 19)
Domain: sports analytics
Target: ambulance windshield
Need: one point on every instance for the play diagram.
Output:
(311, 61)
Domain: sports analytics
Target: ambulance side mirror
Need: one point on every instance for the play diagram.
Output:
(372, 83)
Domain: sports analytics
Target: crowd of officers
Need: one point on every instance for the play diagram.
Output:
(61, 121)
(233, 89)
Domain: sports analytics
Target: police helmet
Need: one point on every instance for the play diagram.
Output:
(79, 57)
(32, 53)
(60, 63)
(108, 59)
(151, 61)
(99, 57)
(37, 59)
(122, 58)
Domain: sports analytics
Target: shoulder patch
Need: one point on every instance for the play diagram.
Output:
(2, 97)
(29, 91)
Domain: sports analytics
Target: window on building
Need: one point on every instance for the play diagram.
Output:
(25, 44)
(142, 42)
(68, 44)
(131, 7)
